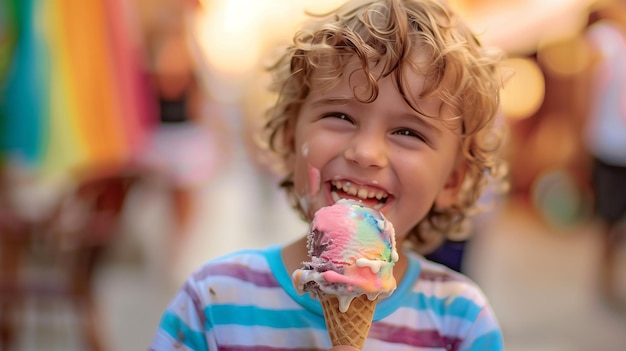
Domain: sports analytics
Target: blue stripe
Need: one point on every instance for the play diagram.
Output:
(459, 307)
(491, 341)
(180, 331)
(256, 316)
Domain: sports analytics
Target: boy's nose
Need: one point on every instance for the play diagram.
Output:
(367, 151)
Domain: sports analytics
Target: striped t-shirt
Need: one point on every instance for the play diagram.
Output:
(246, 301)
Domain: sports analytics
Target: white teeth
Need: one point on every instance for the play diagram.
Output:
(351, 190)
(362, 193)
(336, 198)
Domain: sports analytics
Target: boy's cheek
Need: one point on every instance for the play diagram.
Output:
(449, 194)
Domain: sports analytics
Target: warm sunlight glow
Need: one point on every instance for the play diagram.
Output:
(230, 38)
(235, 33)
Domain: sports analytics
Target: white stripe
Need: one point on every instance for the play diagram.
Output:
(250, 258)
(265, 336)
(377, 345)
(163, 341)
(423, 320)
(450, 289)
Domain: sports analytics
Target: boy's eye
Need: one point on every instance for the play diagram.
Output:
(338, 115)
(410, 133)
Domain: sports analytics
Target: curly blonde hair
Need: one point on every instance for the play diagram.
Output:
(423, 35)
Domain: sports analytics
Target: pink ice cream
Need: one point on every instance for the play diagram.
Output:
(353, 250)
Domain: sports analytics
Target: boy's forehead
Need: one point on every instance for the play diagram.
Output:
(355, 79)
(354, 85)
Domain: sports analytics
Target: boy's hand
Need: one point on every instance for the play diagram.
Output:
(343, 348)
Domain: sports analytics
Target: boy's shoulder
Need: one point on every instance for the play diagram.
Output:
(441, 281)
(241, 264)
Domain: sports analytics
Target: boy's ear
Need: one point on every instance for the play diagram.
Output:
(448, 196)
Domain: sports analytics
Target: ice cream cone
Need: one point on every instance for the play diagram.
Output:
(353, 250)
(348, 328)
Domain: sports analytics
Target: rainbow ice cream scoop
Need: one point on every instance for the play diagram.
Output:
(353, 250)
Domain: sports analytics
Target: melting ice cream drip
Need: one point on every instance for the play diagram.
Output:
(305, 150)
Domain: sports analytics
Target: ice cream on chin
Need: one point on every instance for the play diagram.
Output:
(352, 250)
(312, 188)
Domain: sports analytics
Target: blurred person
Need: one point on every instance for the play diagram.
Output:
(12, 229)
(396, 97)
(52, 237)
(190, 144)
(605, 134)
(72, 115)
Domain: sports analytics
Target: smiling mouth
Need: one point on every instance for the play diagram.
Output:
(342, 189)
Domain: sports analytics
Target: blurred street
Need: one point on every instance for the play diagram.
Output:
(134, 192)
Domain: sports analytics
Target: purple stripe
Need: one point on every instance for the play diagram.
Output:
(455, 343)
(411, 337)
(193, 295)
(241, 272)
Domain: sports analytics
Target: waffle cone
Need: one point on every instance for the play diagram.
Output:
(348, 328)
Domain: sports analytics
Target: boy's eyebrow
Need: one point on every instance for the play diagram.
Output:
(417, 116)
(420, 118)
(333, 101)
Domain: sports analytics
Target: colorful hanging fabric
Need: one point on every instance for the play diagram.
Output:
(76, 96)
(23, 105)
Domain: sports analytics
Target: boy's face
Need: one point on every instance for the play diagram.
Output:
(383, 153)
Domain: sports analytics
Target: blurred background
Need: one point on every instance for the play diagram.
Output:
(126, 161)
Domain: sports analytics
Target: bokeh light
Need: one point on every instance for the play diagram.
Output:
(565, 57)
(559, 199)
(235, 43)
(524, 90)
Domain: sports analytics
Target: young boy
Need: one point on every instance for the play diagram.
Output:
(391, 102)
